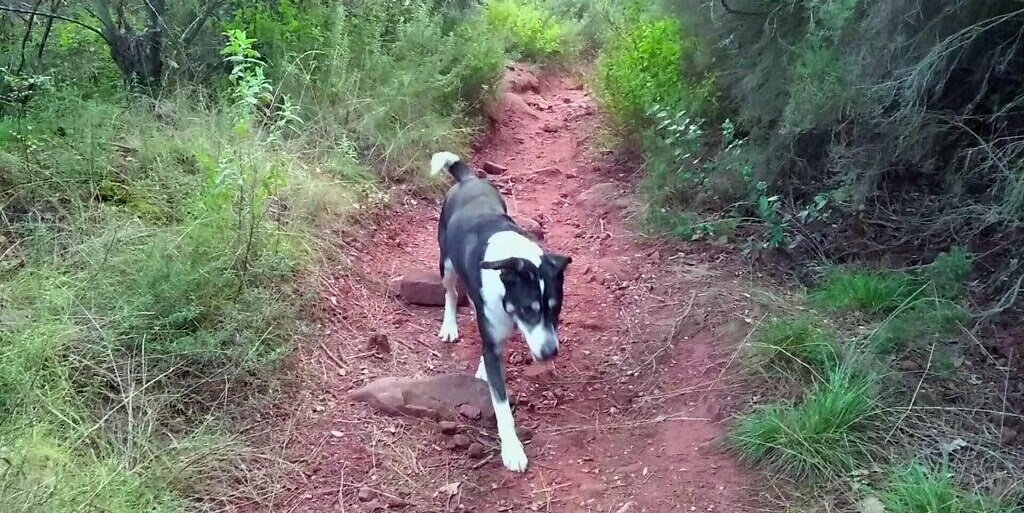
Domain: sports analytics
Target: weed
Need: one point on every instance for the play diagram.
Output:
(822, 435)
(915, 325)
(797, 344)
(915, 488)
(947, 274)
(865, 290)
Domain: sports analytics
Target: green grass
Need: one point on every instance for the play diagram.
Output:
(864, 290)
(154, 249)
(915, 488)
(913, 327)
(796, 344)
(824, 434)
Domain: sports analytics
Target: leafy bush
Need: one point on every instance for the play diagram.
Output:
(528, 29)
(642, 69)
(849, 99)
(823, 435)
(820, 90)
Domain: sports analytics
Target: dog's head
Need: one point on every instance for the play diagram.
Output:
(533, 297)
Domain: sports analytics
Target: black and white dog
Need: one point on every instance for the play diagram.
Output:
(512, 282)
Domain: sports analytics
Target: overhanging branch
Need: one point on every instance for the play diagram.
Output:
(51, 15)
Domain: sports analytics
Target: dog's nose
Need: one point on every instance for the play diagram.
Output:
(548, 352)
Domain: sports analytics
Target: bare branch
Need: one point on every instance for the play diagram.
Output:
(730, 10)
(51, 15)
(193, 29)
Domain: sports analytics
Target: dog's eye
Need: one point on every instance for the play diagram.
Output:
(535, 306)
(552, 303)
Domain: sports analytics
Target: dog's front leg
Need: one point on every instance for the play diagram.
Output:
(512, 453)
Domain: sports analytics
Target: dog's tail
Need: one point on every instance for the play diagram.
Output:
(450, 162)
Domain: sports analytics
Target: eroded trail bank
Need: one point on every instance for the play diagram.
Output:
(628, 417)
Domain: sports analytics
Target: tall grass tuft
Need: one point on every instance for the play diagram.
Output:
(822, 435)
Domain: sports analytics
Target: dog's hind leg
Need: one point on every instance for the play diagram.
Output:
(450, 324)
(512, 453)
(481, 371)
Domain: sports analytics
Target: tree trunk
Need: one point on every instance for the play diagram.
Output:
(137, 54)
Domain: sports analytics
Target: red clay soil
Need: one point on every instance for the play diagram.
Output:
(630, 416)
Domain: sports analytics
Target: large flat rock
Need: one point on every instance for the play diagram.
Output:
(424, 288)
(442, 397)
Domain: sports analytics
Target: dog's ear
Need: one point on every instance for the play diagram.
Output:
(559, 262)
(513, 265)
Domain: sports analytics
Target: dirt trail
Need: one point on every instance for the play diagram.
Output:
(625, 420)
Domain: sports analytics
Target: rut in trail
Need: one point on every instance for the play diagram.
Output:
(627, 419)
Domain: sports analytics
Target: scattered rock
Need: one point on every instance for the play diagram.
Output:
(366, 494)
(437, 397)
(538, 371)
(378, 342)
(592, 489)
(374, 506)
(337, 434)
(603, 196)
(425, 289)
(551, 127)
(548, 172)
(566, 99)
(524, 433)
(470, 411)
(1008, 435)
(458, 442)
(910, 366)
(476, 450)
(398, 503)
(521, 81)
(532, 227)
(448, 427)
(494, 169)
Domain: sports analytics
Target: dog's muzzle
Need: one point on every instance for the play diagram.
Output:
(547, 352)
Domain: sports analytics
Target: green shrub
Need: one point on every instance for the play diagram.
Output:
(822, 435)
(528, 29)
(915, 488)
(820, 91)
(796, 344)
(642, 69)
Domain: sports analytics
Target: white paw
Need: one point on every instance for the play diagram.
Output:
(513, 456)
(449, 331)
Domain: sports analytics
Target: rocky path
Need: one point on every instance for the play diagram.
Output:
(627, 419)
